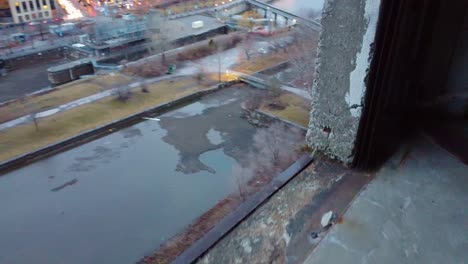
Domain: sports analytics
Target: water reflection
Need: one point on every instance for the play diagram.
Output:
(115, 199)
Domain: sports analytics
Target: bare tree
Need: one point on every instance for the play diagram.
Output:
(274, 86)
(277, 42)
(32, 109)
(200, 74)
(241, 176)
(144, 88)
(302, 54)
(247, 19)
(33, 118)
(160, 42)
(247, 48)
(217, 48)
(273, 151)
(123, 93)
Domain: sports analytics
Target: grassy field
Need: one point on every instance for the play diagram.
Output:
(296, 109)
(260, 63)
(63, 94)
(24, 138)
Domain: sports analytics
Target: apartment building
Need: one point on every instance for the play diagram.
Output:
(29, 10)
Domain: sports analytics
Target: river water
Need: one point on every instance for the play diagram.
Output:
(115, 199)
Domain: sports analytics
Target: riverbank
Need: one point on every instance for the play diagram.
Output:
(130, 179)
(288, 106)
(61, 126)
(25, 138)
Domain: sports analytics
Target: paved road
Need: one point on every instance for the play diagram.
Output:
(30, 78)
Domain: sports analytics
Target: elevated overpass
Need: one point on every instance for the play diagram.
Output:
(288, 16)
(263, 82)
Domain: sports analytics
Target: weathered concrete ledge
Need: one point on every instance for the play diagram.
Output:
(101, 131)
(345, 54)
(199, 248)
(286, 227)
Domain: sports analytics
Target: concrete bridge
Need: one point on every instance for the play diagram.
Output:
(288, 16)
(262, 82)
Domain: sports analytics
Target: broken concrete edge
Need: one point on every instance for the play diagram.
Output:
(231, 221)
(339, 215)
(103, 130)
(337, 198)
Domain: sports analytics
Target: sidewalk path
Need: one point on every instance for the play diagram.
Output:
(259, 79)
(84, 100)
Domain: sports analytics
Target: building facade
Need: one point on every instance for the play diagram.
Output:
(30, 10)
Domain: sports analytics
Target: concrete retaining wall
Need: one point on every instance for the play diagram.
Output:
(66, 75)
(33, 58)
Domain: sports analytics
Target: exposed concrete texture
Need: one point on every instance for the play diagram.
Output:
(344, 56)
(413, 212)
(278, 231)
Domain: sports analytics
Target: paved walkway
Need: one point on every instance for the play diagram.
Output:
(82, 101)
(258, 79)
(415, 211)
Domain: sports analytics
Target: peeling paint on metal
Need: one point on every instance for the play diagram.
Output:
(357, 77)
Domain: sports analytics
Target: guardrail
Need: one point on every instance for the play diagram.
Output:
(263, 83)
(310, 23)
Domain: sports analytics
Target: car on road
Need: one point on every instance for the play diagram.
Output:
(263, 50)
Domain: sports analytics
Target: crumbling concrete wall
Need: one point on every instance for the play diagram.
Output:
(344, 57)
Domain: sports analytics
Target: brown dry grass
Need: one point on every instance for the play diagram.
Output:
(24, 138)
(261, 63)
(63, 94)
(296, 109)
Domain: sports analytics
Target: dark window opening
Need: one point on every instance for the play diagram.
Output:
(408, 86)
